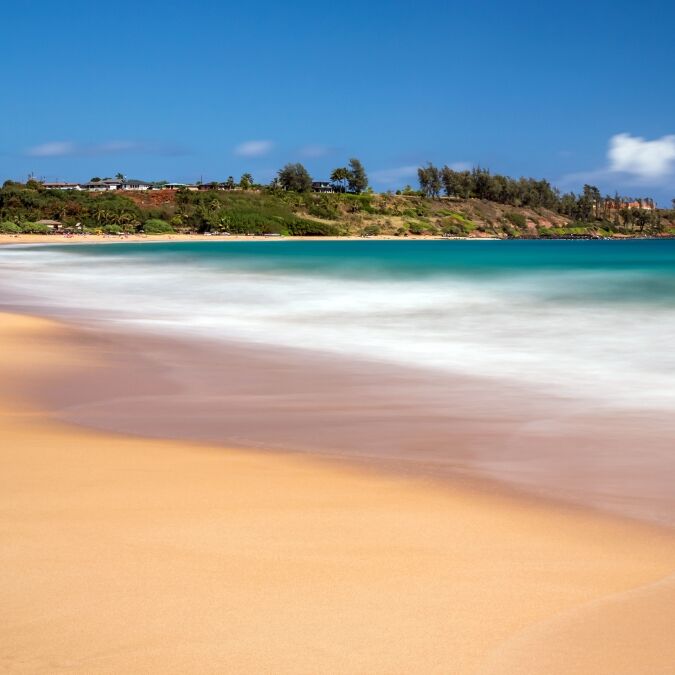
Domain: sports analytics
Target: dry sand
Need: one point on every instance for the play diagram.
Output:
(125, 555)
(113, 239)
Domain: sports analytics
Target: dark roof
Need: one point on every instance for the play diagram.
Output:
(105, 181)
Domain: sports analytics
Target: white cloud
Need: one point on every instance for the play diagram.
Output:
(253, 148)
(631, 161)
(395, 175)
(641, 158)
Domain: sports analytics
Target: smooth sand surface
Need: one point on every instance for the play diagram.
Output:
(125, 555)
(407, 420)
(107, 239)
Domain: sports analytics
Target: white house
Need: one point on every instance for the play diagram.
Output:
(133, 184)
(62, 186)
(102, 185)
(322, 186)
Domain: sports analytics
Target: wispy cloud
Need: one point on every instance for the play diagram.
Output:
(254, 148)
(115, 147)
(52, 149)
(394, 175)
(315, 150)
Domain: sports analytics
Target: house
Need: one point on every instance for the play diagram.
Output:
(51, 224)
(61, 186)
(322, 186)
(134, 184)
(102, 185)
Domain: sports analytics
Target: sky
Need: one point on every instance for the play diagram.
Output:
(574, 91)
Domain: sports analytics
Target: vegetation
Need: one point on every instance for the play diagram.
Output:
(8, 227)
(157, 226)
(453, 203)
(34, 228)
(356, 176)
(295, 177)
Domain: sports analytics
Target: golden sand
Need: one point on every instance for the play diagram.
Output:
(115, 239)
(125, 555)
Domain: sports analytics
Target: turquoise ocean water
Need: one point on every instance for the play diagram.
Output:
(589, 319)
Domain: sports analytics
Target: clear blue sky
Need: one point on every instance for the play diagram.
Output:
(179, 91)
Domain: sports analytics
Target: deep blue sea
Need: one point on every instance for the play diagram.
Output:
(591, 319)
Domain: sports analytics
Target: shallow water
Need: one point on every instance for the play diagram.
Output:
(592, 320)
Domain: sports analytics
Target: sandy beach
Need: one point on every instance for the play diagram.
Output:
(10, 239)
(121, 554)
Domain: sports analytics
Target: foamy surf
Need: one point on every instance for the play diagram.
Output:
(592, 320)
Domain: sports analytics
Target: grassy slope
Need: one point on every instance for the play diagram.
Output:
(379, 214)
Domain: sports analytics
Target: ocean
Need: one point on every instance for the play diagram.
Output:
(593, 320)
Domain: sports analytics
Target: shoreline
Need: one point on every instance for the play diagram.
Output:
(21, 239)
(56, 239)
(454, 429)
(122, 553)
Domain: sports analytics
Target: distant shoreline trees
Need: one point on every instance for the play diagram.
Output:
(479, 183)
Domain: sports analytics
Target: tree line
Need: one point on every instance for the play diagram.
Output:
(295, 177)
(480, 183)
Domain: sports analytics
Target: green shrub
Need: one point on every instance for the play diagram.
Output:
(517, 219)
(322, 208)
(35, 228)
(416, 228)
(8, 227)
(112, 229)
(157, 226)
(371, 230)
(307, 228)
(453, 229)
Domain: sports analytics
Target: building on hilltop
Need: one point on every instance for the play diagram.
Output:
(322, 186)
(102, 185)
(107, 184)
(61, 186)
(134, 184)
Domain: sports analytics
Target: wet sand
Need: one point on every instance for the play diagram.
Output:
(415, 422)
(121, 554)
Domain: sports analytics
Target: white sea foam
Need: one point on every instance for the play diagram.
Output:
(519, 328)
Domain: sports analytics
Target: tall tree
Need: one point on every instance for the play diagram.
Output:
(295, 177)
(246, 181)
(430, 180)
(340, 178)
(592, 196)
(358, 180)
(229, 183)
